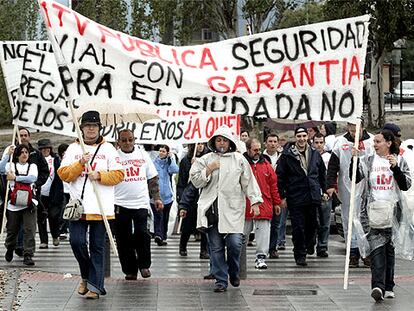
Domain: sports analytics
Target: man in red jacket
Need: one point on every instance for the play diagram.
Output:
(267, 180)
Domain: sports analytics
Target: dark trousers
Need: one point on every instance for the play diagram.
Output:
(382, 267)
(133, 239)
(25, 218)
(161, 220)
(51, 212)
(304, 224)
(185, 236)
(63, 223)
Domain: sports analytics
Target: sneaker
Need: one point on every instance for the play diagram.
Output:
(131, 277)
(260, 264)
(183, 252)
(56, 242)
(250, 243)
(63, 236)
(219, 288)
(158, 240)
(9, 255)
(91, 295)
(145, 273)
(389, 294)
(19, 252)
(28, 261)
(235, 282)
(301, 261)
(204, 255)
(209, 277)
(281, 247)
(354, 262)
(376, 293)
(43, 246)
(83, 288)
(322, 254)
(274, 254)
(367, 262)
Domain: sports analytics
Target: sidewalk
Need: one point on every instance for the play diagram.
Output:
(177, 284)
(50, 291)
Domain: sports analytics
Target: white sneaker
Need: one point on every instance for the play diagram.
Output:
(389, 294)
(260, 264)
(376, 293)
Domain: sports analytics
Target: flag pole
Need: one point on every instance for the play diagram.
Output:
(93, 182)
(6, 196)
(352, 204)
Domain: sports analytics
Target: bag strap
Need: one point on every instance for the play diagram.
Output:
(16, 172)
(86, 178)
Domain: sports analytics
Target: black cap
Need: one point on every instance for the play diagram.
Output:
(44, 143)
(301, 129)
(91, 117)
(394, 128)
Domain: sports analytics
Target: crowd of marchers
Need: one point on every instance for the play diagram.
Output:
(229, 191)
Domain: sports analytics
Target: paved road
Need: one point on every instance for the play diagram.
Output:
(177, 284)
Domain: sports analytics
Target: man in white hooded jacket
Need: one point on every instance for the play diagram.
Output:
(225, 178)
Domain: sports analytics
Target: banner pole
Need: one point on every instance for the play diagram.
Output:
(93, 182)
(351, 205)
(6, 196)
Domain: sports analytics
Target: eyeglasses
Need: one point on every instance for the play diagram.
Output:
(126, 140)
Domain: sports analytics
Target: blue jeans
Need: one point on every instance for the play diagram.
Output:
(278, 229)
(324, 222)
(217, 243)
(92, 263)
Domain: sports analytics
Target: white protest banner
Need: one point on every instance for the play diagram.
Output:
(11, 60)
(307, 72)
(184, 127)
(41, 105)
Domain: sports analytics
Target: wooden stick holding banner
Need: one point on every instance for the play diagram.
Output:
(351, 205)
(6, 196)
(195, 151)
(95, 190)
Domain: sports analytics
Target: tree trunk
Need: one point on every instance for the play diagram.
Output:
(376, 105)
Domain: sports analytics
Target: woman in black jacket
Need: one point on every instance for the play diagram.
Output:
(187, 197)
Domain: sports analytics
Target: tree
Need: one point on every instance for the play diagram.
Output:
(390, 21)
(309, 13)
(264, 15)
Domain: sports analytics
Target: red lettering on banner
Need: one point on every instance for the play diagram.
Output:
(207, 59)
(159, 56)
(105, 32)
(225, 89)
(287, 76)
(354, 71)
(196, 129)
(344, 63)
(184, 58)
(309, 75)
(131, 46)
(61, 10)
(81, 25)
(241, 83)
(44, 6)
(145, 48)
(264, 78)
(327, 65)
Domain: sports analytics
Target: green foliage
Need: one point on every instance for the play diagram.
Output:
(408, 56)
(111, 13)
(309, 13)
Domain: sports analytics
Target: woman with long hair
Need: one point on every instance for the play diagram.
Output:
(20, 173)
(385, 174)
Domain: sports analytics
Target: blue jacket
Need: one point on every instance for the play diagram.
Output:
(297, 186)
(166, 168)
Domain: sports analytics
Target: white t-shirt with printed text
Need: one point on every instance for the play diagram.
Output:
(133, 191)
(381, 180)
(107, 159)
(45, 190)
